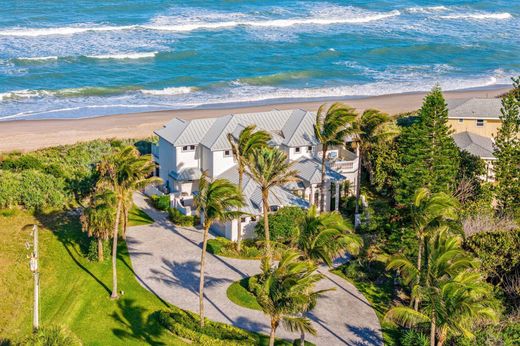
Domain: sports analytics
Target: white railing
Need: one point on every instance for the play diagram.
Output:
(342, 165)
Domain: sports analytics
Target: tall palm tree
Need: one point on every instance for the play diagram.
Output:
(331, 128)
(217, 201)
(453, 295)
(325, 236)
(98, 218)
(429, 211)
(286, 291)
(243, 147)
(124, 172)
(269, 167)
(372, 127)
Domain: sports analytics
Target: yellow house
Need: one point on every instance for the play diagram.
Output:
(476, 115)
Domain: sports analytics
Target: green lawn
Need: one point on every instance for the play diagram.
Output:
(74, 292)
(237, 292)
(137, 217)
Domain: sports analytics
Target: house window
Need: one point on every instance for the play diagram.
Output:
(227, 153)
(297, 150)
(188, 148)
(309, 148)
(253, 218)
(461, 120)
(480, 122)
(242, 219)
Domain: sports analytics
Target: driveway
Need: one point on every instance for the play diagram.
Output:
(166, 259)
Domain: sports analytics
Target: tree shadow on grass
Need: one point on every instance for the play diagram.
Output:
(136, 326)
(65, 226)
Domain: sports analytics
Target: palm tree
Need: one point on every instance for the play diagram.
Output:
(98, 218)
(286, 291)
(429, 211)
(453, 295)
(331, 128)
(325, 236)
(269, 167)
(372, 128)
(242, 147)
(124, 172)
(217, 201)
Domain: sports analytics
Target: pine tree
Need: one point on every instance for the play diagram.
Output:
(427, 153)
(507, 152)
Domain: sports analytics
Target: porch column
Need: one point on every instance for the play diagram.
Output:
(336, 200)
(311, 199)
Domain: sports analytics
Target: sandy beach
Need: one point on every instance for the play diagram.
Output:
(25, 135)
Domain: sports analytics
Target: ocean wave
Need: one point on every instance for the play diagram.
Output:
(428, 9)
(37, 58)
(479, 16)
(168, 91)
(118, 56)
(64, 93)
(68, 30)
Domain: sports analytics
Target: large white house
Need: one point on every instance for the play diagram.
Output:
(188, 147)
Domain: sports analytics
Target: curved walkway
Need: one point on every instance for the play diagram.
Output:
(166, 259)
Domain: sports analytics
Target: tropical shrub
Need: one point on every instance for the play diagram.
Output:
(224, 247)
(180, 219)
(52, 336)
(161, 202)
(414, 338)
(39, 190)
(186, 324)
(92, 250)
(282, 224)
(10, 183)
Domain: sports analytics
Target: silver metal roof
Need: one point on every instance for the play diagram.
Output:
(288, 127)
(475, 144)
(186, 174)
(310, 171)
(474, 108)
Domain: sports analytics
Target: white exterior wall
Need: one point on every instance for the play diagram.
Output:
(221, 163)
(304, 152)
(187, 159)
(230, 229)
(167, 159)
(206, 158)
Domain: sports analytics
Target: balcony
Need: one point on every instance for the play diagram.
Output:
(342, 165)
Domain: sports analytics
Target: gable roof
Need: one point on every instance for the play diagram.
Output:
(475, 144)
(474, 108)
(287, 127)
(310, 170)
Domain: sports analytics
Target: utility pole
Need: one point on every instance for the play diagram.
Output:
(36, 278)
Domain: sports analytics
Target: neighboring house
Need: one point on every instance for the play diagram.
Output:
(479, 146)
(188, 147)
(476, 115)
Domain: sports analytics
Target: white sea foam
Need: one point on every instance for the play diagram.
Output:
(168, 91)
(142, 55)
(479, 16)
(428, 9)
(68, 30)
(38, 58)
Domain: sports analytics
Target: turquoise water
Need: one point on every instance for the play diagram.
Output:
(63, 59)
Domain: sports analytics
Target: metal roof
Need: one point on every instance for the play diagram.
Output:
(475, 144)
(288, 127)
(474, 108)
(310, 171)
(186, 174)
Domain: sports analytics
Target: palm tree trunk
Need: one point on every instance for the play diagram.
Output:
(272, 335)
(100, 250)
(265, 203)
(239, 235)
(114, 294)
(432, 331)
(419, 267)
(302, 338)
(125, 220)
(442, 337)
(202, 269)
(322, 187)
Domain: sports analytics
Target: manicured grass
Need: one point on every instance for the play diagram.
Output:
(380, 298)
(74, 292)
(137, 217)
(238, 293)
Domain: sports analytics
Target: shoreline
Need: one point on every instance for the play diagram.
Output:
(27, 135)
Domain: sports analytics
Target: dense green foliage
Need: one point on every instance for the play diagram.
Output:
(161, 202)
(178, 218)
(224, 247)
(239, 292)
(283, 224)
(52, 336)
(507, 165)
(427, 153)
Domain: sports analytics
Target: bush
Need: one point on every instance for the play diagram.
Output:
(10, 188)
(161, 202)
(39, 190)
(282, 224)
(52, 336)
(224, 247)
(180, 219)
(186, 324)
(92, 253)
(415, 338)
(505, 334)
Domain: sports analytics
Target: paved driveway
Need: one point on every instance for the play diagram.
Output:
(166, 259)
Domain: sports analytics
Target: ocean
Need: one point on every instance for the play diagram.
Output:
(72, 59)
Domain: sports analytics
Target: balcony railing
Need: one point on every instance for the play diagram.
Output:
(341, 165)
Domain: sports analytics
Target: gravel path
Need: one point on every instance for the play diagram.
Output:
(166, 259)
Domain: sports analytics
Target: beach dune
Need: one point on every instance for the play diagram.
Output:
(25, 135)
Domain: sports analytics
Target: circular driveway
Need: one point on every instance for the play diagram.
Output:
(166, 259)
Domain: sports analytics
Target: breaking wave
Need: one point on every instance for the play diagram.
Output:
(118, 56)
(479, 16)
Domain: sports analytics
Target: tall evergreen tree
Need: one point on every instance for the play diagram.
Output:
(507, 152)
(427, 153)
